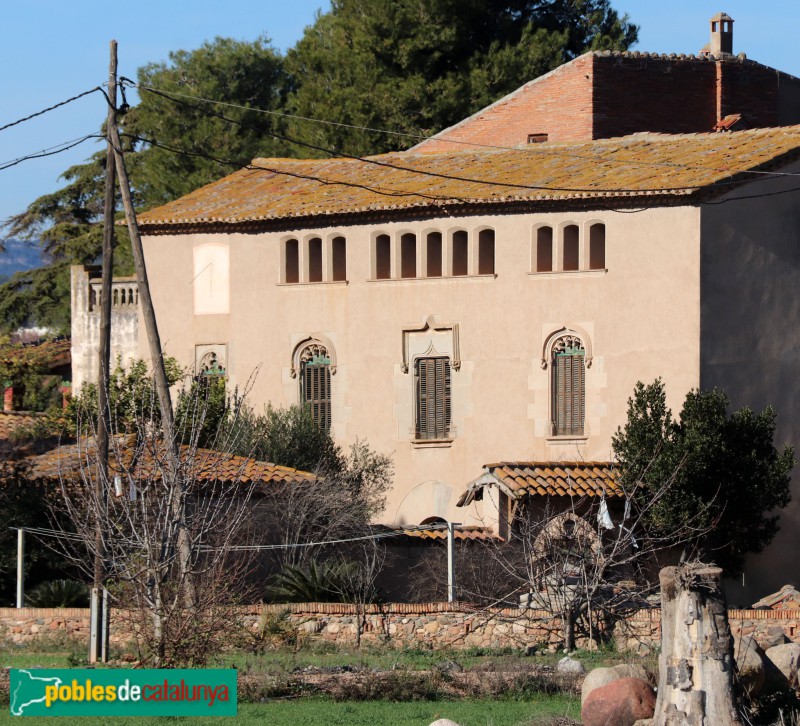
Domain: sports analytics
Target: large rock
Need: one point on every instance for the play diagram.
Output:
(749, 665)
(443, 722)
(603, 676)
(597, 678)
(620, 703)
(771, 637)
(786, 659)
(634, 670)
(570, 667)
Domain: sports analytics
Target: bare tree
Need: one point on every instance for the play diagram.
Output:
(165, 531)
(585, 559)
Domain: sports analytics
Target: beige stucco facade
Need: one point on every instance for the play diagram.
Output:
(639, 318)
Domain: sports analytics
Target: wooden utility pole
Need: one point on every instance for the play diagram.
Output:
(178, 501)
(98, 642)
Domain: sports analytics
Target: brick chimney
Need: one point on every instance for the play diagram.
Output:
(721, 34)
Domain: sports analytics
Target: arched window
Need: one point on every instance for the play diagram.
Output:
(291, 269)
(486, 252)
(315, 259)
(433, 257)
(383, 257)
(408, 255)
(568, 380)
(315, 382)
(543, 250)
(460, 257)
(571, 256)
(597, 247)
(339, 258)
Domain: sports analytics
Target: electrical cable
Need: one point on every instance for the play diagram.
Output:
(51, 151)
(548, 150)
(450, 177)
(296, 175)
(51, 108)
(44, 532)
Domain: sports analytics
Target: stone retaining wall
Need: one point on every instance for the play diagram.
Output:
(430, 625)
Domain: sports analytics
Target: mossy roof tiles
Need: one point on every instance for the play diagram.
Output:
(145, 462)
(660, 168)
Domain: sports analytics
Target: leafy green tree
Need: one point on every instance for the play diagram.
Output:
(416, 67)
(172, 116)
(285, 436)
(67, 225)
(68, 222)
(728, 477)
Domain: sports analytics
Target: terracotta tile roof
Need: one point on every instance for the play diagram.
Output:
(787, 598)
(12, 420)
(547, 479)
(463, 532)
(53, 353)
(663, 168)
(67, 462)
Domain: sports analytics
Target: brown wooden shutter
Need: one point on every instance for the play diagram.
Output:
(317, 392)
(433, 398)
(569, 396)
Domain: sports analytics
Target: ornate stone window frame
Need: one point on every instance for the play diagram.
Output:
(431, 324)
(568, 330)
(215, 354)
(315, 340)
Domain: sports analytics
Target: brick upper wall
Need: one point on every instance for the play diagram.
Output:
(607, 94)
(558, 104)
(653, 94)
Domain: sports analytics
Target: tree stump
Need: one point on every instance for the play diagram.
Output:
(696, 667)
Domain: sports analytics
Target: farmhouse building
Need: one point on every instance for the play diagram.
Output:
(497, 299)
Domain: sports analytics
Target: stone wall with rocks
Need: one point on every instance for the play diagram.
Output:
(429, 625)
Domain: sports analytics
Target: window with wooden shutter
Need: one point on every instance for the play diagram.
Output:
(315, 384)
(569, 387)
(433, 398)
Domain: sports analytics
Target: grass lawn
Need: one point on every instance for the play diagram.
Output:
(318, 712)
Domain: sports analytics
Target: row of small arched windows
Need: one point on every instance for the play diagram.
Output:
(407, 255)
(563, 250)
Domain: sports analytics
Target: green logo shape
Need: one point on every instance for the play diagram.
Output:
(122, 692)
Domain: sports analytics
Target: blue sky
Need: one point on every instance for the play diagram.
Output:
(52, 49)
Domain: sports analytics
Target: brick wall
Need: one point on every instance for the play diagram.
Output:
(607, 94)
(435, 625)
(558, 104)
(653, 93)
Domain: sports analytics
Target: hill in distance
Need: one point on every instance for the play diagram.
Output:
(19, 256)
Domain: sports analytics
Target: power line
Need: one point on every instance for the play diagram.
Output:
(296, 175)
(50, 151)
(540, 149)
(599, 200)
(51, 108)
(437, 175)
(73, 537)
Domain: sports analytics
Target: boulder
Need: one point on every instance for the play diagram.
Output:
(597, 678)
(634, 670)
(786, 659)
(773, 636)
(622, 702)
(749, 665)
(570, 666)
(443, 722)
